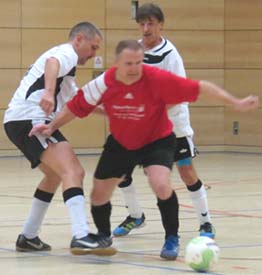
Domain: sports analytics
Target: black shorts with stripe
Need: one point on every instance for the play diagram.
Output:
(184, 148)
(31, 147)
(117, 161)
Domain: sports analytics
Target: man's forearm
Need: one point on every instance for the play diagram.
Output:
(62, 118)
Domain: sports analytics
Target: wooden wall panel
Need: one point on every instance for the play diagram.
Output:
(199, 49)
(112, 38)
(46, 38)
(9, 80)
(244, 82)
(10, 47)
(83, 76)
(87, 132)
(61, 13)
(243, 15)
(208, 125)
(193, 15)
(119, 15)
(250, 130)
(243, 49)
(185, 15)
(5, 143)
(10, 13)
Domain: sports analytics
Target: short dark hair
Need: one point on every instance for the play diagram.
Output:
(128, 44)
(148, 11)
(87, 28)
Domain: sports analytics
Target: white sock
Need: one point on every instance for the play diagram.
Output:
(132, 204)
(35, 218)
(77, 213)
(199, 199)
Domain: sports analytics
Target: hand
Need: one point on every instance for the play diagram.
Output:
(47, 103)
(247, 103)
(43, 129)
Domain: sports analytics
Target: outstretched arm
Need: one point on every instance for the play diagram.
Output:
(239, 104)
(61, 119)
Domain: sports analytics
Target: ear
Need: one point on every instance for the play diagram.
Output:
(79, 37)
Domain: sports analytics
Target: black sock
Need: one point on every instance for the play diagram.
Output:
(72, 192)
(169, 214)
(101, 216)
(43, 195)
(196, 186)
(128, 180)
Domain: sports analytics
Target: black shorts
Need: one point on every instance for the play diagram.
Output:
(116, 161)
(31, 147)
(184, 148)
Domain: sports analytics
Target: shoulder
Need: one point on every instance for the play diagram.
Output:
(64, 53)
(172, 47)
(109, 76)
(154, 73)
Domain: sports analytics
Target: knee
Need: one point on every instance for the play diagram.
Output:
(163, 191)
(188, 179)
(188, 175)
(78, 172)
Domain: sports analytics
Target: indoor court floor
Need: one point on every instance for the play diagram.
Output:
(233, 182)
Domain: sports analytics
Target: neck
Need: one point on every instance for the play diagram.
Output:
(149, 46)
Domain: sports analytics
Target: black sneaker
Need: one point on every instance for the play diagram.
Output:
(207, 230)
(93, 244)
(24, 244)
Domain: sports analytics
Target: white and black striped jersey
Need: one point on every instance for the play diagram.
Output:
(165, 56)
(25, 102)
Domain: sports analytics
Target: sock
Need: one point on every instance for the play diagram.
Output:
(169, 214)
(75, 202)
(101, 216)
(199, 198)
(37, 213)
(130, 197)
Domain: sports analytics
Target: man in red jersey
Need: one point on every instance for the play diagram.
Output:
(135, 98)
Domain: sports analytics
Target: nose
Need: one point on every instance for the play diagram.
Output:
(145, 27)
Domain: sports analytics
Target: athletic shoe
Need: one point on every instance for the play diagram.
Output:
(128, 224)
(24, 244)
(207, 230)
(93, 244)
(170, 248)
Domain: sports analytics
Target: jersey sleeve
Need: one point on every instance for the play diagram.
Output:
(78, 105)
(87, 98)
(67, 59)
(174, 89)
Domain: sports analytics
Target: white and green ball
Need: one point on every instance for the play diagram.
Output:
(201, 253)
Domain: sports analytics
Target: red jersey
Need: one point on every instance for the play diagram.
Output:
(137, 113)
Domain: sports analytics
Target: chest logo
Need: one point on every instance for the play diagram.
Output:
(129, 96)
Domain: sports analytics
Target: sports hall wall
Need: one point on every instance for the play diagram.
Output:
(219, 40)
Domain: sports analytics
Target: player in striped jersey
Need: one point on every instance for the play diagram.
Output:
(43, 91)
(161, 53)
(135, 98)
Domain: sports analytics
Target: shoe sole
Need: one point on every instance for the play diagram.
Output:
(19, 249)
(108, 251)
(126, 233)
(169, 258)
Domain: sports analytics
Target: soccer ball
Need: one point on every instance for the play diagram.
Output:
(201, 253)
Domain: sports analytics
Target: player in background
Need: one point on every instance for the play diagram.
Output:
(161, 53)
